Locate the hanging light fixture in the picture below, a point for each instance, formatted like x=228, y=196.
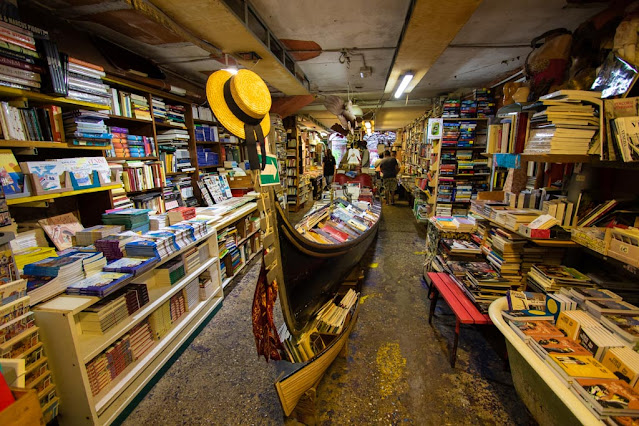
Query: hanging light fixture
x=232, y=69
x=406, y=79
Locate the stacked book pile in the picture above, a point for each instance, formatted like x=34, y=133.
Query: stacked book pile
x=181, y=213
x=481, y=283
x=463, y=191
x=131, y=265
x=331, y=318
x=132, y=219
x=563, y=127
x=104, y=368
x=113, y=246
x=467, y=134
x=175, y=115
x=160, y=321
x=159, y=110
x=164, y=244
x=18, y=58
x=504, y=250
x=535, y=255
x=468, y=109
x=141, y=339
x=149, y=201
x=592, y=356
x=142, y=176
x=24, y=256
x=459, y=247
x=119, y=141
x=140, y=107
x=551, y=278
x=170, y=272
x=88, y=236
x=485, y=102
x=159, y=221
x=178, y=306
x=206, y=133
x=51, y=276
x=92, y=261
x=450, y=134
x=136, y=295
x=451, y=108
x=103, y=315
x=174, y=136
x=101, y=284
x=83, y=127
x=85, y=82
x=140, y=146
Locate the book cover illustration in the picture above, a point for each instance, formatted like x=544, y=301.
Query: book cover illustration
x=609, y=396
x=628, y=324
x=561, y=273
x=11, y=176
x=61, y=229
x=561, y=345
x=582, y=366
x=537, y=329
x=47, y=172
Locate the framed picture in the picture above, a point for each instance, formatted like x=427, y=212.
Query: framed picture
x=435, y=126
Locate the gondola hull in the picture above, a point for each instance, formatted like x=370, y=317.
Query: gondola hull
x=312, y=272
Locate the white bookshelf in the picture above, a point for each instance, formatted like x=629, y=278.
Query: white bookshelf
x=69, y=350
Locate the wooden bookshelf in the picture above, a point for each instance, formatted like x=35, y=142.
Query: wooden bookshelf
x=169, y=126
x=210, y=167
x=144, y=191
x=200, y=121
x=552, y=158
x=49, y=144
x=206, y=143
x=131, y=158
x=123, y=118
x=9, y=92
x=45, y=197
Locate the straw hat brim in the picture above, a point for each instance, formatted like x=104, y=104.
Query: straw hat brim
x=215, y=96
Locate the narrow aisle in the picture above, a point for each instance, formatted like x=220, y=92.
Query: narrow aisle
x=396, y=371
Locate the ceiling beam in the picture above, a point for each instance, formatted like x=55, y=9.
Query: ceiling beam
x=214, y=22
x=424, y=38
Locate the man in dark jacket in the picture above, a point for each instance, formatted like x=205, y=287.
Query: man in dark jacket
x=389, y=167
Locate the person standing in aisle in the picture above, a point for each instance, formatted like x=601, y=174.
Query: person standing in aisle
x=378, y=173
x=329, y=167
x=389, y=168
x=354, y=158
x=366, y=159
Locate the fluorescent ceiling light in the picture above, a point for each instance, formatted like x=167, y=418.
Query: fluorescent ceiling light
x=404, y=83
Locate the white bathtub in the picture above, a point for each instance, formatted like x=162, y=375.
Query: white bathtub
x=547, y=398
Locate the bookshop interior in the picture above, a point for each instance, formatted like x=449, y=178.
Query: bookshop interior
x=319, y=212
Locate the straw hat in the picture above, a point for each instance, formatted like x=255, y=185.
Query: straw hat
x=246, y=101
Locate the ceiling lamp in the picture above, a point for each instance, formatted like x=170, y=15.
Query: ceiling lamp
x=367, y=124
x=403, y=84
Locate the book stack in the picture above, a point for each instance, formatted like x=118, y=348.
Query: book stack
x=485, y=102
x=136, y=295
x=159, y=109
x=101, y=284
x=450, y=134
x=92, y=261
x=184, y=185
x=451, y=108
x=142, y=176
x=160, y=321
x=18, y=57
x=119, y=140
x=192, y=291
x=113, y=246
x=159, y=221
x=149, y=201
x=131, y=265
x=164, y=241
x=104, y=368
x=175, y=115
x=331, y=318
x=86, y=128
x=88, y=236
x=132, y=219
x=103, y=315
x=467, y=134
x=192, y=260
x=85, y=82
x=184, y=233
x=36, y=124
x=141, y=339
x=468, y=109
x=181, y=213
x=170, y=272
x=51, y=276
x=550, y=278
x=178, y=306
x=486, y=286
x=533, y=254
x=503, y=250
x=202, y=113
x=140, y=146
x=140, y=107
x=28, y=255
x=174, y=136
x=206, y=133
x=562, y=127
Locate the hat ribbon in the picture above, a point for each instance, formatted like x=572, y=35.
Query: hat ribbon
x=252, y=129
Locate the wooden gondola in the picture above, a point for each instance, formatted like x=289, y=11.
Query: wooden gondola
x=311, y=274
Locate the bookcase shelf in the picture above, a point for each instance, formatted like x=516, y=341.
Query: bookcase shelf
x=90, y=346
x=228, y=280
x=552, y=158
x=130, y=158
x=15, y=201
x=10, y=92
x=206, y=143
x=210, y=167
x=47, y=144
x=128, y=120
x=210, y=123
x=169, y=126
x=611, y=260
x=143, y=191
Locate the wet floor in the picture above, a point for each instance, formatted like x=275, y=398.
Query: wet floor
x=396, y=371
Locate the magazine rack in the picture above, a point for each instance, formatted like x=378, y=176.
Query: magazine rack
x=68, y=182
x=96, y=178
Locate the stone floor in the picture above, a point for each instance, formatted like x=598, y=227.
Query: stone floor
x=397, y=370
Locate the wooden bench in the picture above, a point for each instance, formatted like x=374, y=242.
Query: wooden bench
x=464, y=309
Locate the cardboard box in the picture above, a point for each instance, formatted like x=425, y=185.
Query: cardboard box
x=240, y=182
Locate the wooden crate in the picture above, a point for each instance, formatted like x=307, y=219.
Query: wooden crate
x=25, y=411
